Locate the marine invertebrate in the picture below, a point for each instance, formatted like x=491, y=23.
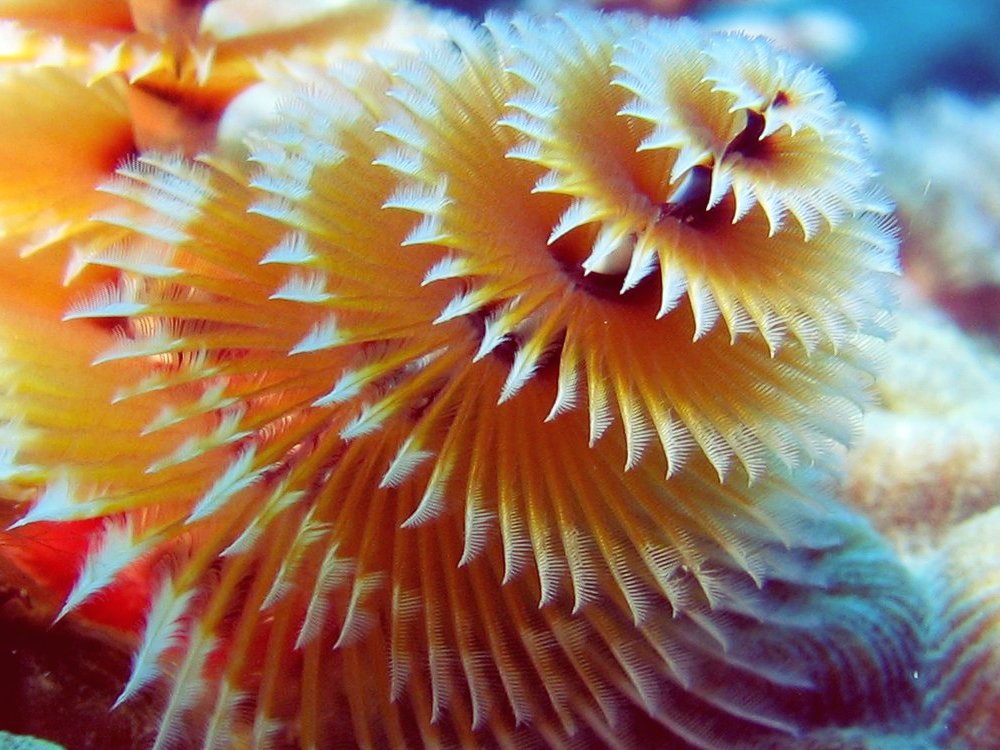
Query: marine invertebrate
x=13, y=742
x=93, y=83
x=198, y=55
x=48, y=204
x=965, y=654
x=360, y=403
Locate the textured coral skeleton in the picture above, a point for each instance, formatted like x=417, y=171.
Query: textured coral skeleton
x=486, y=403
x=926, y=458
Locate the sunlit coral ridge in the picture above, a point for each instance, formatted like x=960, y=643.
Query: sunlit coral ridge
x=926, y=458
x=476, y=408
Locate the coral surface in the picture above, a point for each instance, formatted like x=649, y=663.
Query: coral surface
x=941, y=157
x=927, y=457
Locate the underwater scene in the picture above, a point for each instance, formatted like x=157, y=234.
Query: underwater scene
x=542, y=374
